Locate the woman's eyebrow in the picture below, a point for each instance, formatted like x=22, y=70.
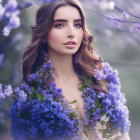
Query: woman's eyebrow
x=64, y=20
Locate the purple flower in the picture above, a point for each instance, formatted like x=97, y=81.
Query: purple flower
x=135, y=28
x=110, y=74
x=6, y=30
x=10, y=15
x=59, y=92
x=11, y=5
x=106, y=102
x=1, y=93
x=43, y=118
x=114, y=21
x=46, y=66
x=14, y=21
x=40, y=110
x=99, y=75
x=21, y=95
x=6, y=91
x=101, y=95
x=125, y=15
x=24, y=86
x=33, y=77
x=107, y=74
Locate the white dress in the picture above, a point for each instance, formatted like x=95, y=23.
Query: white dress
x=88, y=134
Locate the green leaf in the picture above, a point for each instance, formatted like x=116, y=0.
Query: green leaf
x=81, y=86
x=41, y=74
x=72, y=115
x=106, y=133
x=96, y=102
x=32, y=96
x=32, y=89
x=62, y=103
x=55, y=100
x=86, y=95
x=102, y=122
x=100, y=105
x=40, y=97
x=103, y=113
x=74, y=101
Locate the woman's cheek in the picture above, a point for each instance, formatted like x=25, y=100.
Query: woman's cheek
x=80, y=36
x=54, y=36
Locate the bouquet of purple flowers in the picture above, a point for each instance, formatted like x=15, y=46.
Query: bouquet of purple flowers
x=39, y=111
x=106, y=113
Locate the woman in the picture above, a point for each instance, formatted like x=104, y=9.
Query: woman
x=61, y=36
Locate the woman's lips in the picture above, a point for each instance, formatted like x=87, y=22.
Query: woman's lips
x=71, y=42
x=70, y=46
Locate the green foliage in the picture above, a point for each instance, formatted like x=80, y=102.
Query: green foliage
x=86, y=81
x=72, y=102
x=40, y=97
x=32, y=96
x=72, y=115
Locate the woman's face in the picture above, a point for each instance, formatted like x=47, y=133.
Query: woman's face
x=66, y=34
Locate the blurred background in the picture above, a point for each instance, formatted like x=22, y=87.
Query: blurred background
x=115, y=26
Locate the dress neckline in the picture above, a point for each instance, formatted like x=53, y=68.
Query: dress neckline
x=79, y=117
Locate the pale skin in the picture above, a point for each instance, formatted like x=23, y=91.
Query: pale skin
x=67, y=27
x=70, y=29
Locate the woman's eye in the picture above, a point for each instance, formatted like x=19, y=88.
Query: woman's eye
x=78, y=25
x=58, y=25
x=62, y=25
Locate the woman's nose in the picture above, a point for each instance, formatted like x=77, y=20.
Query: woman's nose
x=71, y=36
x=71, y=32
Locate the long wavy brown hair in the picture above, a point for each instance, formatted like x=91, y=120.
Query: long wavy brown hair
x=85, y=60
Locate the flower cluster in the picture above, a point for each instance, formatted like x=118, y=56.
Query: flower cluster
x=106, y=112
x=5, y=91
x=114, y=21
x=135, y=28
x=39, y=111
x=9, y=14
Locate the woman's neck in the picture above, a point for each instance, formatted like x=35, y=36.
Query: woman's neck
x=63, y=66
